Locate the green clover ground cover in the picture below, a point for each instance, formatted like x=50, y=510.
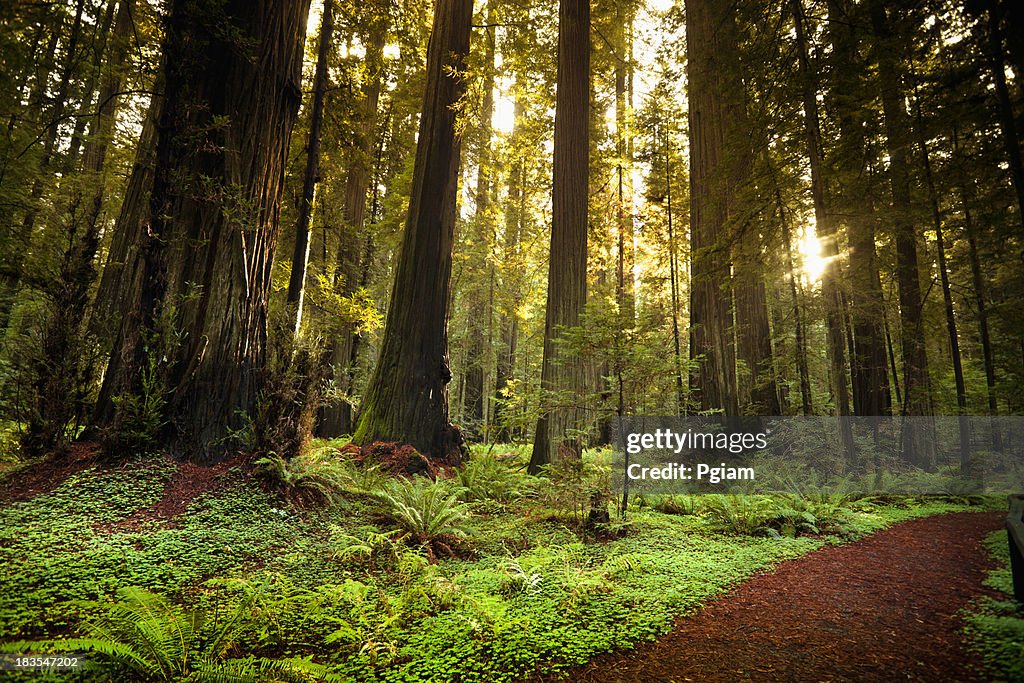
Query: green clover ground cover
x=345, y=586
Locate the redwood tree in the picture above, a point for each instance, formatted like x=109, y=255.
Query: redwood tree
x=562, y=376
x=193, y=348
x=407, y=396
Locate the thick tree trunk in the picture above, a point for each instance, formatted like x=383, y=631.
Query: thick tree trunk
x=562, y=373
x=300, y=254
x=407, y=396
x=713, y=80
x=231, y=98
x=918, y=446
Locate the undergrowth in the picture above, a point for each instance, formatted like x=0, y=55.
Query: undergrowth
x=995, y=627
x=488, y=575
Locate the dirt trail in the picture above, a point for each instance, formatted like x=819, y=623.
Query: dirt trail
x=883, y=609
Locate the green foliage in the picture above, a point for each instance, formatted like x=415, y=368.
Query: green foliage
x=485, y=477
x=573, y=487
x=145, y=636
x=430, y=512
x=994, y=627
x=738, y=514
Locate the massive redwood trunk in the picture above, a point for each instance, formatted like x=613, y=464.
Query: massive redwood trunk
x=407, y=396
x=199, y=322
x=562, y=373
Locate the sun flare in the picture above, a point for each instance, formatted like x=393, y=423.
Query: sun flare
x=811, y=258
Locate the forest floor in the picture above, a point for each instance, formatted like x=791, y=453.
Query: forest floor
x=866, y=591
x=886, y=608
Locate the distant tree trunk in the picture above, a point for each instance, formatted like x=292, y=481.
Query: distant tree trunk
x=479, y=312
x=407, y=397
x=673, y=260
x=89, y=90
x=232, y=93
x=62, y=366
x=806, y=398
x=947, y=295
x=300, y=254
x=354, y=249
x=870, y=380
x=11, y=274
x=710, y=40
x=980, y=293
x=1007, y=120
x=562, y=373
x=918, y=447
x=508, y=322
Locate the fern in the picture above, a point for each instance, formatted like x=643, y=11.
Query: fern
x=428, y=511
x=144, y=636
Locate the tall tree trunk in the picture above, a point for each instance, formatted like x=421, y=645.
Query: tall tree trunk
x=479, y=312
x=710, y=41
x=407, y=397
x=562, y=373
x=508, y=322
x=918, y=446
x=673, y=260
x=947, y=294
x=300, y=254
x=980, y=293
x=870, y=379
x=795, y=293
x=232, y=93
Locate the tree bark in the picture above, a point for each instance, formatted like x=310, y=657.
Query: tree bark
x=300, y=254
x=232, y=93
x=562, y=373
x=407, y=396
x=710, y=41
x=479, y=312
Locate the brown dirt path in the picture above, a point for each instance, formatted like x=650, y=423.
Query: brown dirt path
x=882, y=609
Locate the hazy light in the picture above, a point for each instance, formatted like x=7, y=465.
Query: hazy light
x=814, y=263
x=504, y=118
